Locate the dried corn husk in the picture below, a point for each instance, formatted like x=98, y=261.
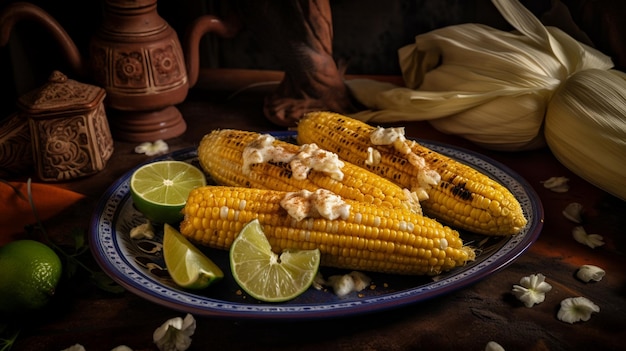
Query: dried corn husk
x=487, y=85
x=585, y=128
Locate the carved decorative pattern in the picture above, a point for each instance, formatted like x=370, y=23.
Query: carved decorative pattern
x=69, y=128
x=73, y=146
x=58, y=93
x=167, y=69
x=16, y=152
x=64, y=148
x=129, y=70
x=145, y=71
x=102, y=134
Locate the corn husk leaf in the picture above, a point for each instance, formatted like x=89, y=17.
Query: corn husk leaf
x=487, y=85
x=585, y=128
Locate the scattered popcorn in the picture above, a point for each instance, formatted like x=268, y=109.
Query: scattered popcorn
x=152, y=149
x=589, y=273
x=573, y=212
x=142, y=231
x=343, y=285
x=575, y=309
x=175, y=334
x=361, y=281
x=557, y=184
x=532, y=289
x=591, y=240
x=493, y=346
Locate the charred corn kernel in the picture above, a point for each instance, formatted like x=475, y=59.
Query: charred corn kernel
x=369, y=238
x=249, y=159
x=463, y=197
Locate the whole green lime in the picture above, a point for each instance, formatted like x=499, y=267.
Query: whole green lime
x=30, y=271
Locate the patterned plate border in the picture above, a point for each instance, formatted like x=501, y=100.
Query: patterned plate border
x=119, y=257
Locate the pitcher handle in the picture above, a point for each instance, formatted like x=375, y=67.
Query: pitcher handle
x=198, y=28
x=19, y=11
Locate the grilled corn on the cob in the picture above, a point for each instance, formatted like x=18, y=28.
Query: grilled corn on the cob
x=248, y=159
x=451, y=191
x=365, y=237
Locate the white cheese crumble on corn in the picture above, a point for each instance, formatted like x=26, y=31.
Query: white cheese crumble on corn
x=309, y=157
x=320, y=203
x=426, y=179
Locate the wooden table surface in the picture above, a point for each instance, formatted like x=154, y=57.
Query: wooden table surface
x=465, y=319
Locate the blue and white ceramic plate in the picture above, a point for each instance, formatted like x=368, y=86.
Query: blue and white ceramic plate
x=139, y=267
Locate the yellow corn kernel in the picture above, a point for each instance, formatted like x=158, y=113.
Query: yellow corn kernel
x=221, y=156
x=495, y=210
x=371, y=238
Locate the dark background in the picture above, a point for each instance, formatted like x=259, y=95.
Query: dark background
x=367, y=34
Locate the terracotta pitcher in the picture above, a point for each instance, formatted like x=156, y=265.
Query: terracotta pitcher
x=137, y=58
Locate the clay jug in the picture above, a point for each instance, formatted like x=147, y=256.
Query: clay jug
x=137, y=58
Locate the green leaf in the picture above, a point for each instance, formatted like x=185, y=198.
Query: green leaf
x=71, y=267
x=105, y=283
x=79, y=239
x=8, y=336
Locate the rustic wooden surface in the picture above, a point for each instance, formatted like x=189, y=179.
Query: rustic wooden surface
x=462, y=320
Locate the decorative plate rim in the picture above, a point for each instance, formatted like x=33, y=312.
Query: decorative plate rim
x=108, y=252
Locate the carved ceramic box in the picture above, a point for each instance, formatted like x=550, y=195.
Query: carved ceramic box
x=69, y=128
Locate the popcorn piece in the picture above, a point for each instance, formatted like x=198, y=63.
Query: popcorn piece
x=573, y=212
x=152, y=149
x=361, y=281
x=493, y=346
x=575, y=309
x=345, y=284
x=592, y=240
x=557, y=184
x=75, y=347
x=175, y=334
x=342, y=284
x=589, y=273
x=142, y=231
x=532, y=289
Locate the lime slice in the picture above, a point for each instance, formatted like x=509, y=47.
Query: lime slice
x=187, y=265
x=160, y=189
x=265, y=275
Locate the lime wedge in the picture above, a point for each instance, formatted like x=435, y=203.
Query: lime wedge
x=160, y=189
x=187, y=265
x=263, y=274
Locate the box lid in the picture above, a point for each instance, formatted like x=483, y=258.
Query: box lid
x=61, y=94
